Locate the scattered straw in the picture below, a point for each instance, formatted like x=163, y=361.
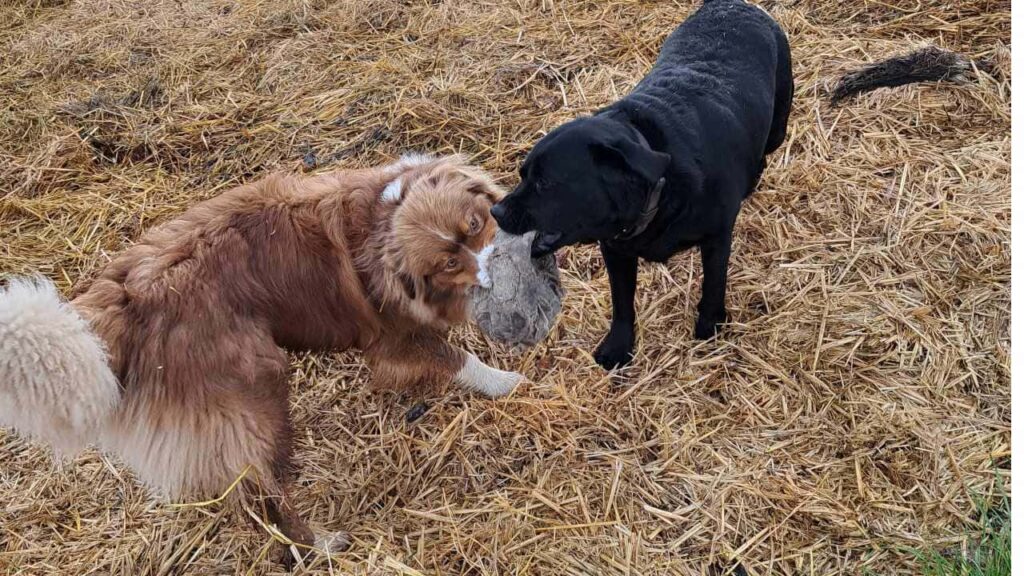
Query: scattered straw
x=856, y=403
x=218, y=499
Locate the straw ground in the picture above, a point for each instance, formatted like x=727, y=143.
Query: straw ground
x=853, y=410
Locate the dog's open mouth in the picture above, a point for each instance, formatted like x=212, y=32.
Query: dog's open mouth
x=545, y=243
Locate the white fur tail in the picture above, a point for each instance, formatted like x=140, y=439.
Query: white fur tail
x=55, y=383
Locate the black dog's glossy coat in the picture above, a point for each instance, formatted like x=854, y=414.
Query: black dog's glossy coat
x=715, y=103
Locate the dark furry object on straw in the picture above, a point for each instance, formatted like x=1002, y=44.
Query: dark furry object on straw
x=931, y=64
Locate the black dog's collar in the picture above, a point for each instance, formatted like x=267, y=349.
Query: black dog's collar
x=647, y=216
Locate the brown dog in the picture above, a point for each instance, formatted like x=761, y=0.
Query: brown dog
x=174, y=358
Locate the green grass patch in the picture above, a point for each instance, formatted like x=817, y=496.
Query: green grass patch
x=986, y=555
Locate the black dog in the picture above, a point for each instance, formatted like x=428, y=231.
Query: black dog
x=667, y=167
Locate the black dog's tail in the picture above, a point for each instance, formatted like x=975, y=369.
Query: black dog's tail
x=929, y=64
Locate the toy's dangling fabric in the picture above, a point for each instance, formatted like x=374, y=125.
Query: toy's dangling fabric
x=525, y=296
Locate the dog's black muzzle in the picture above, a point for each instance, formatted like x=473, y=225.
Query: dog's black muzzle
x=545, y=243
x=510, y=219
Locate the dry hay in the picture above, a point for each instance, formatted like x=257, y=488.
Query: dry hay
x=856, y=404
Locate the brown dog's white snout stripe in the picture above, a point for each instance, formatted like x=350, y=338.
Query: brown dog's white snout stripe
x=483, y=263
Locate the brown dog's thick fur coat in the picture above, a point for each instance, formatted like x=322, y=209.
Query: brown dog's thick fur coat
x=195, y=320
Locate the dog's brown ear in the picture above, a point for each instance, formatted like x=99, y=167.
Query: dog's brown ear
x=490, y=190
x=480, y=182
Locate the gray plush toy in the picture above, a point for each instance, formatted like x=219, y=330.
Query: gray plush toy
x=525, y=295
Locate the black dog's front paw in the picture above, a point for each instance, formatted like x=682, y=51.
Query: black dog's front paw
x=708, y=325
x=615, y=351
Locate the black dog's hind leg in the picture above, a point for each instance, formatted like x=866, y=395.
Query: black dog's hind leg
x=617, y=347
x=714, y=255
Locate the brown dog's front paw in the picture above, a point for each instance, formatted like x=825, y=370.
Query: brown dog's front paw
x=292, y=556
x=333, y=543
x=477, y=376
x=329, y=543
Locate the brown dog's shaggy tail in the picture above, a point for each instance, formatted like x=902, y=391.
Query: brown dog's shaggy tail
x=55, y=383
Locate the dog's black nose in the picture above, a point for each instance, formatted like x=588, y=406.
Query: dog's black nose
x=498, y=211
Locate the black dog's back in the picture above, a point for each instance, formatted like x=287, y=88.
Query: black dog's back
x=724, y=79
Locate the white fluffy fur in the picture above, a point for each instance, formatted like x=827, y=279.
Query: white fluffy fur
x=393, y=191
x=477, y=376
x=171, y=453
x=55, y=384
x=483, y=264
